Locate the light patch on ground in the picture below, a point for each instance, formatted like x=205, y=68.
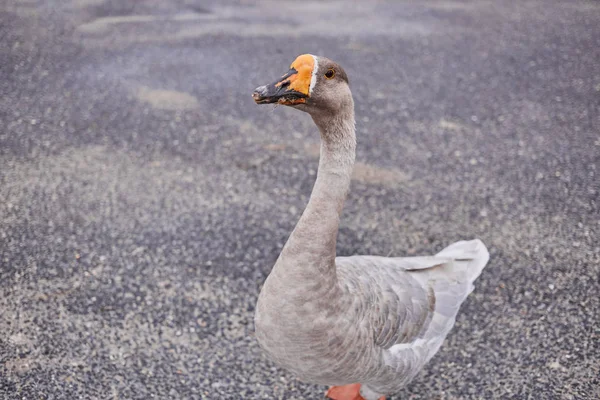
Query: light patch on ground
x=166, y=99
x=456, y=5
x=101, y=24
x=32, y=361
x=371, y=174
x=104, y=23
x=87, y=3
x=450, y=125
x=19, y=339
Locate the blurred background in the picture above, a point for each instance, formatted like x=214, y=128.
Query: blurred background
x=144, y=197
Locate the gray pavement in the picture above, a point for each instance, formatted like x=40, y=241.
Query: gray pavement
x=144, y=197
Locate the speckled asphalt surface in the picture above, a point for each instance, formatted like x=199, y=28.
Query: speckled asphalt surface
x=144, y=197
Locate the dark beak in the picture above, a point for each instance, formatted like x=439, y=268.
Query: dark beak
x=279, y=92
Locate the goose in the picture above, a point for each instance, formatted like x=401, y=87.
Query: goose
x=363, y=325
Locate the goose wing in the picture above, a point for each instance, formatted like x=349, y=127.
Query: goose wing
x=408, y=305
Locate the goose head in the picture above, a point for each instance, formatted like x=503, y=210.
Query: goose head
x=313, y=84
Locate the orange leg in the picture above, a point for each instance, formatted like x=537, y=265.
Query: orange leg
x=346, y=392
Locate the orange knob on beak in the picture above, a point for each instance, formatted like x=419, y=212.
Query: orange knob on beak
x=292, y=88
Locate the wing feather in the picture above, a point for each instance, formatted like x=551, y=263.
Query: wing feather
x=410, y=304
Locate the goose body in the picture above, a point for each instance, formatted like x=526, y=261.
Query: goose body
x=364, y=324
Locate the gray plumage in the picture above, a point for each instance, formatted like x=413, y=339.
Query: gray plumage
x=360, y=319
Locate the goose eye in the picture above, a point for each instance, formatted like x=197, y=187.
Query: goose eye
x=330, y=73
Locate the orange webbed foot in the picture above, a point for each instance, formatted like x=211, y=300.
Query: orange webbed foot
x=346, y=392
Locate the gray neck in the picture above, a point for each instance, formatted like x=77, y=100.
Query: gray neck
x=310, y=251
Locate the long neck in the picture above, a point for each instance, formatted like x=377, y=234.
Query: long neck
x=310, y=250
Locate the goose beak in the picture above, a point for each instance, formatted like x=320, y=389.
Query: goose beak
x=294, y=87
x=281, y=91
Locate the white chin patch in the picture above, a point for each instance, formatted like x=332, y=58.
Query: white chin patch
x=313, y=77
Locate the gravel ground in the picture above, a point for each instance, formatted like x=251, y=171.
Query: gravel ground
x=144, y=197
